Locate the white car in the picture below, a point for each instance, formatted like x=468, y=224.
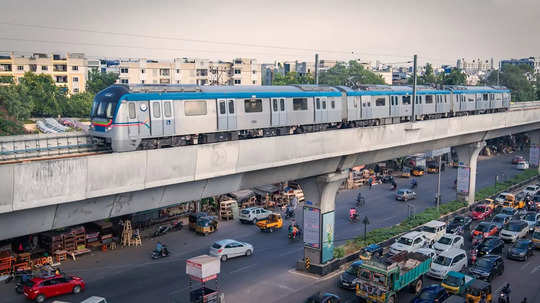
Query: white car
x=531, y=218
x=226, y=249
x=514, y=230
x=408, y=242
x=522, y=165
x=253, y=214
x=434, y=230
x=454, y=259
x=428, y=252
x=531, y=190
x=448, y=241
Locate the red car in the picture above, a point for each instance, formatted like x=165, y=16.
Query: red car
x=517, y=159
x=481, y=212
x=39, y=289
x=486, y=229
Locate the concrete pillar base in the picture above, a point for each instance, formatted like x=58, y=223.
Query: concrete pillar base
x=468, y=156
x=534, y=138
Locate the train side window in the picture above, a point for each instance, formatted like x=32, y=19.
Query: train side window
x=198, y=108
x=406, y=100
x=300, y=104
x=369, y=104
x=221, y=108
x=167, y=112
x=318, y=103
x=253, y=105
x=274, y=105
x=485, y=97
x=131, y=108
x=380, y=102
x=324, y=104
x=156, y=110
x=429, y=99
x=282, y=104
x=333, y=104
x=231, y=106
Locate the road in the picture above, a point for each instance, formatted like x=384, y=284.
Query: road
x=129, y=275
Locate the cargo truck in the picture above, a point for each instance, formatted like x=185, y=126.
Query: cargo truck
x=380, y=279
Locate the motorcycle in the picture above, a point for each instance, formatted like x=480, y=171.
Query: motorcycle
x=298, y=234
x=158, y=255
x=476, y=240
x=289, y=213
x=353, y=218
x=504, y=298
x=474, y=254
x=163, y=229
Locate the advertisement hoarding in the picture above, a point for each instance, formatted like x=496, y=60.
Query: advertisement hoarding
x=534, y=155
x=311, y=227
x=328, y=236
x=463, y=179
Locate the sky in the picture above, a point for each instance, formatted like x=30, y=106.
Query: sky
x=392, y=31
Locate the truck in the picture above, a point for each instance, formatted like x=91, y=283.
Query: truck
x=381, y=279
x=456, y=282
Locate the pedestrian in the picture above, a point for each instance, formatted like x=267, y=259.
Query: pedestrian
x=370, y=181
x=524, y=300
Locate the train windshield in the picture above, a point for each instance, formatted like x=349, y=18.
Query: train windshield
x=103, y=107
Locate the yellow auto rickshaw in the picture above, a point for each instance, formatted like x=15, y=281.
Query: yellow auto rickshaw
x=406, y=172
x=418, y=171
x=206, y=225
x=476, y=290
x=193, y=217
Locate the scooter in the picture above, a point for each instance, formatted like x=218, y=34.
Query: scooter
x=157, y=255
x=289, y=213
x=353, y=218
x=163, y=229
x=297, y=236
x=503, y=298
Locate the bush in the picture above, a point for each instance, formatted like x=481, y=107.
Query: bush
x=339, y=252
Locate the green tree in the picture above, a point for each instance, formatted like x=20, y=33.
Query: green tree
x=98, y=81
x=292, y=78
x=428, y=77
x=15, y=103
x=41, y=91
x=516, y=78
x=352, y=74
x=78, y=105
x=455, y=77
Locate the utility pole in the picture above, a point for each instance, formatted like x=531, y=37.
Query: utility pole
x=498, y=72
x=413, y=117
x=439, y=185
x=316, y=69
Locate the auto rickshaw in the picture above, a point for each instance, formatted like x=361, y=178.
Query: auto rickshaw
x=273, y=222
x=406, y=172
x=433, y=168
x=373, y=249
x=206, y=225
x=193, y=217
x=418, y=171
x=476, y=290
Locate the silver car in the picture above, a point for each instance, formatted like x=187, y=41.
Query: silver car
x=405, y=194
x=514, y=230
x=228, y=248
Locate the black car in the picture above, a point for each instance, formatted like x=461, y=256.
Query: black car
x=521, y=250
x=487, y=267
x=346, y=279
x=323, y=298
x=491, y=246
x=501, y=220
x=387, y=179
x=458, y=225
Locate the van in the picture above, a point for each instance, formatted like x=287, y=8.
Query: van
x=433, y=231
x=454, y=259
x=514, y=230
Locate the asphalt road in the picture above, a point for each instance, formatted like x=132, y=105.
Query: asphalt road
x=129, y=274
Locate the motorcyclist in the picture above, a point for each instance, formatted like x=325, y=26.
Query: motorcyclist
x=352, y=213
x=506, y=289
x=414, y=183
x=293, y=230
x=289, y=211
x=159, y=247
x=394, y=184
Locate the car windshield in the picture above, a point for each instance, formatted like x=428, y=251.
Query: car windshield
x=530, y=188
x=459, y=220
x=352, y=270
x=427, y=295
x=445, y=240
x=502, y=197
x=483, y=263
x=405, y=241
x=442, y=260
x=517, y=226
x=508, y=211
x=400, y=192
x=245, y=212
x=452, y=281
x=536, y=199
x=521, y=245
x=530, y=217
x=479, y=209
x=216, y=245
x=499, y=219
x=482, y=228
x=429, y=229
x=536, y=235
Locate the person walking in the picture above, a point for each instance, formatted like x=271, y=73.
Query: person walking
x=370, y=181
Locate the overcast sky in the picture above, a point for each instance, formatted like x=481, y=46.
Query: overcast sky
x=439, y=31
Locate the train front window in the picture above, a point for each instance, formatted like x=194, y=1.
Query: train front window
x=104, y=109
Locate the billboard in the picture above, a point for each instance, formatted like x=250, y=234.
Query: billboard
x=312, y=218
x=534, y=155
x=328, y=236
x=463, y=175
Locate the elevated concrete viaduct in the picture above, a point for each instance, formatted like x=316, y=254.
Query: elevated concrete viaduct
x=44, y=195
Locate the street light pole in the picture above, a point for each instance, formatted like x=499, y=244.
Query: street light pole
x=413, y=117
x=439, y=185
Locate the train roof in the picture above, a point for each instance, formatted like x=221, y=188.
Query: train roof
x=461, y=89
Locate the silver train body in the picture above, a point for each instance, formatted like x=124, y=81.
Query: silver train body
x=137, y=117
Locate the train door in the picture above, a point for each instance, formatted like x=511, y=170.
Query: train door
x=279, y=115
x=418, y=108
x=143, y=118
x=156, y=119
x=133, y=128
x=357, y=104
x=168, y=118
x=324, y=109
x=231, y=114
x=226, y=114
x=394, y=106
x=367, y=111
x=318, y=110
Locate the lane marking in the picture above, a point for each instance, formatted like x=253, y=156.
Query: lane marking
x=285, y=287
x=537, y=268
x=290, y=252
x=241, y=269
x=525, y=265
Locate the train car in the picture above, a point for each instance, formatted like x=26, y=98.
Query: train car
x=478, y=99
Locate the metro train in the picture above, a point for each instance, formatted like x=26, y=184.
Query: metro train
x=136, y=117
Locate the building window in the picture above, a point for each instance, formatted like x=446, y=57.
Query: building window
x=300, y=104
x=142, y=71
x=156, y=110
x=74, y=67
x=124, y=81
x=165, y=72
x=380, y=102
x=142, y=81
x=253, y=105
x=124, y=70
x=44, y=67
x=237, y=71
x=75, y=90
x=237, y=81
x=75, y=79
x=131, y=109
x=254, y=72
x=198, y=108
x=429, y=99
x=177, y=71
x=254, y=81
x=20, y=67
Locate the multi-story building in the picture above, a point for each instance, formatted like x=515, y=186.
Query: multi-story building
x=533, y=62
x=474, y=66
x=68, y=71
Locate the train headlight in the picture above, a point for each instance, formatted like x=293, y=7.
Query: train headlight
x=108, y=128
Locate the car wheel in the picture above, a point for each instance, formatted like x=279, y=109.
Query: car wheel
x=76, y=289
x=526, y=258
x=271, y=229
x=40, y=298
x=224, y=258
x=254, y=221
x=248, y=252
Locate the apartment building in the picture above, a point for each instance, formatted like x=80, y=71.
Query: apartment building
x=68, y=71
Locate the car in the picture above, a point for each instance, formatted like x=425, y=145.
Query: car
x=521, y=250
x=486, y=229
x=454, y=259
x=408, y=242
x=253, y=214
x=536, y=200
x=458, y=225
x=324, y=298
x=448, y=241
x=228, y=248
x=522, y=165
x=531, y=190
x=536, y=237
x=487, y=267
x=433, y=231
x=517, y=159
x=481, y=212
x=428, y=252
x=500, y=220
x=39, y=289
x=418, y=171
x=431, y=294
x=405, y=194
x=509, y=211
x=504, y=197
x=491, y=246
x=514, y=230
x=531, y=218
x=347, y=278
x=387, y=179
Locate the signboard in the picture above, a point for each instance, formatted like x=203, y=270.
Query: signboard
x=312, y=218
x=534, y=155
x=463, y=175
x=328, y=236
